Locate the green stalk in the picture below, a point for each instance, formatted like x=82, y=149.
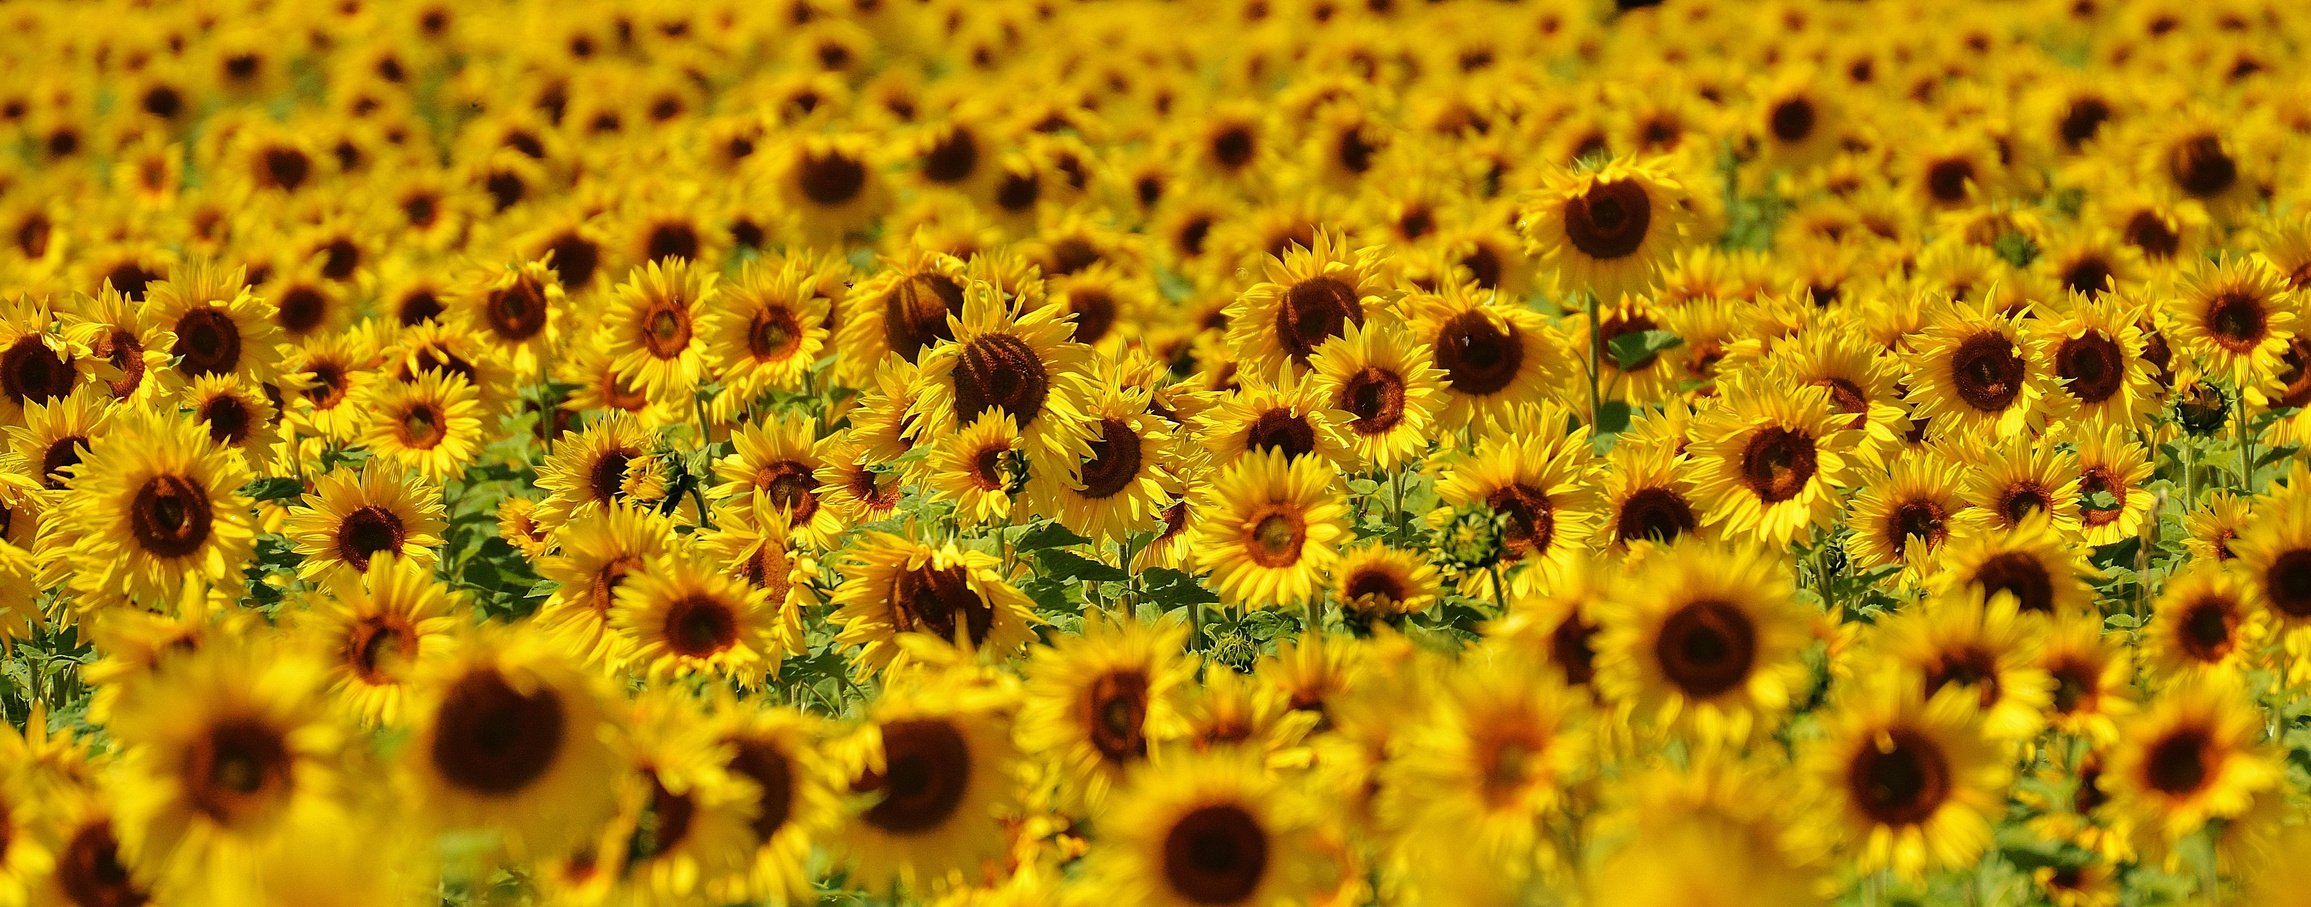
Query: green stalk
x=2246, y=447
x=1596, y=361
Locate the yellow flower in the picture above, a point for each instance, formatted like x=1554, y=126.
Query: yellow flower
x=1913, y=780
x=1705, y=641
x=1267, y=526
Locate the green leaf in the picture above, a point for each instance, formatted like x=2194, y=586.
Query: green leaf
x=1173, y=589
x=2100, y=499
x=1048, y=535
x=2121, y=622
x=1613, y=417
x=1363, y=486
x=1638, y=348
x=275, y=488
x=1069, y=565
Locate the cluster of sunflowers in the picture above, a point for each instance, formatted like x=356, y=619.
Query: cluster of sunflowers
x=1226, y=452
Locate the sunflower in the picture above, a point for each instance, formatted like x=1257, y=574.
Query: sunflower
x=126, y=346
x=221, y=328
x=1607, y=231
x=1486, y=768
x=1974, y=367
x=324, y=379
x=517, y=309
x=2193, y=756
x=930, y=772
x=797, y=806
x=1101, y=704
x=590, y=469
x=1268, y=526
x=53, y=438
x=510, y=736
x=652, y=328
x=350, y=518
x=1648, y=498
x=833, y=182
x=1714, y=832
x=678, y=616
x=1207, y=830
x=774, y=467
x=38, y=363
x=853, y=484
x=430, y=426
x=2274, y=555
x=1312, y=292
x=893, y=586
x=88, y=862
x=156, y=507
x=1914, y=779
x=1387, y=384
x=378, y=633
x=1373, y=582
x=2237, y=315
x=228, y=757
x=1771, y=462
x=2113, y=472
x=1705, y=641
x=1978, y=643
x=1860, y=378
x=684, y=823
x=1904, y=518
x=2210, y=530
x=1021, y=364
x=1124, y=472
x=1289, y=415
x=980, y=468
x=2204, y=622
x=902, y=308
x=2021, y=479
x=2093, y=679
x=2030, y=562
x=764, y=331
x=2099, y=355
x=238, y=418
x=596, y=553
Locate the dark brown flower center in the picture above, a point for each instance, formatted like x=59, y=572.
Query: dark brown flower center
x=1114, y=715
x=2182, y=762
x=1610, y=220
x=1572, y=648
x=665, y=327
x=495, y=740
x=1279, y=428
x=938, y=600
x=1654, y=514
x=31, y=372
x=1000, y=370
x=1921, y=519
x=2201, y=167
x=1900, y=778
x=1950, y=181
x=518, y=312
x=1375, y=588
x=1479, y=357
x=671, y=240
x=2287, y=582
x=63, y=454
x=1277, y=535
x=1114, y=462
x=1532, y=519
x=1792, y=120
x=90, y=873
x=927, y=773
x=368, y=532
x=208, y=342
x=2237, y=322
x=2023, y=498
x=1987, y=372
x=229, y=419
x=831, y=179
x=1315, y=310
x=1777, y=463
x=1706, y=648
x=2208, y=628
x=790, y=486
x=773, y=334
x=2082, y=119
x=2089, y=275
x=1216, y=854
x=915, y=312
x=170, y=517
x=2150, y=232
x=375, y=646
x=238, y=768
x=766, y=764
x=1970, y=666
x=2092, y=366
x=2018, y=574
x=422, y=426
x=953, y=158
x=700, y=626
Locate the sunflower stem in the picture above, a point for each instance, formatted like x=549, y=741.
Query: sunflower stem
x=698, y=483
x=2246, y=446
x=1403, y=526
x=1316, y=619
x=1195, y=626
x=1500, y=590
x=1596, y=359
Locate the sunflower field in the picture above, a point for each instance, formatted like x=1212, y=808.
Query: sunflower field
x=1155, y=453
